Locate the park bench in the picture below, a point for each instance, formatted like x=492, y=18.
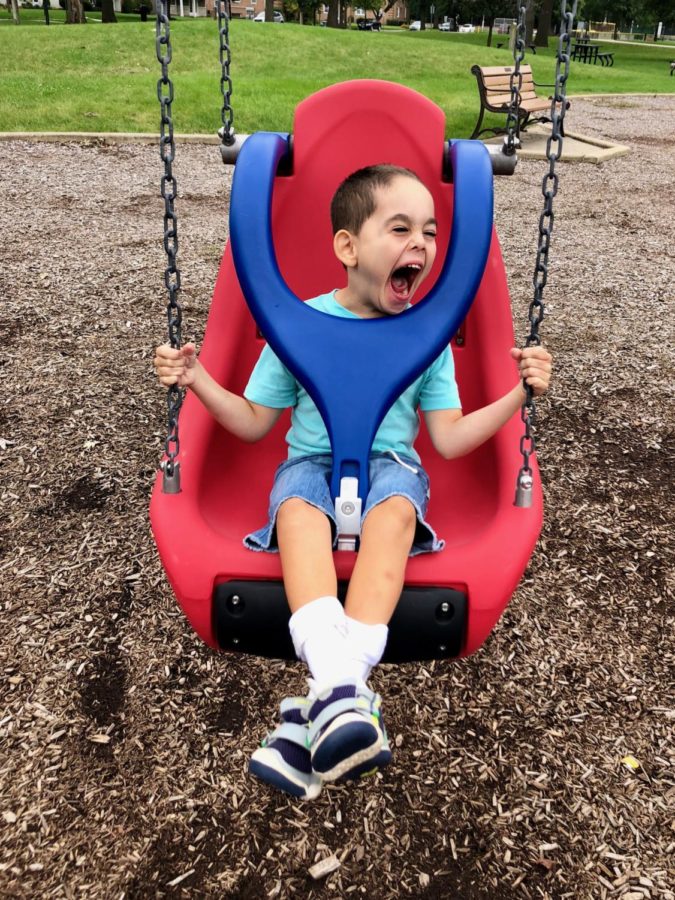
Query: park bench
x=494, y=87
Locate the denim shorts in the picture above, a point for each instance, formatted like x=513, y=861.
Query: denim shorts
x=308, y=477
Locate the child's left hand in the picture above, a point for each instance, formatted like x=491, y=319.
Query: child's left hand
x=535, y=365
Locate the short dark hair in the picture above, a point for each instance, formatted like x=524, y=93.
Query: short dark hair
x=354, y=200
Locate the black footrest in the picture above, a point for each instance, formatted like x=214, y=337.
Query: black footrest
x=252, y=617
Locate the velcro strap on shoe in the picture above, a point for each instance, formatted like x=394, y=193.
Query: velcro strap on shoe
x=328, y=713
x=290, y=731
x=291, y=704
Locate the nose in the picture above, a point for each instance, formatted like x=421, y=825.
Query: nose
x=416, y=238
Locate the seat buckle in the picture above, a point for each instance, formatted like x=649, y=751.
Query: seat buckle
x=348, y=514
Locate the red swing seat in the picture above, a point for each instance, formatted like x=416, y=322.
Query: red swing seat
x=226, y=483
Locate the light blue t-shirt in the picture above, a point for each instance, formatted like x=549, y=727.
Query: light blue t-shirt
x=271, y=384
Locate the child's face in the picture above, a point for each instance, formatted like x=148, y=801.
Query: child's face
x=394, y=250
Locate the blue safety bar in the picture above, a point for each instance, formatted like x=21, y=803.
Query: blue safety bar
x=355, y=370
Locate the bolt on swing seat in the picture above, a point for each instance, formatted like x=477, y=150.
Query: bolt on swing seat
x=281, y=250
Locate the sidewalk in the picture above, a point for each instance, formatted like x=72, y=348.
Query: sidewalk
x=576, y=147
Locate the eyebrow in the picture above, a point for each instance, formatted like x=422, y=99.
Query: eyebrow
x=405, y=218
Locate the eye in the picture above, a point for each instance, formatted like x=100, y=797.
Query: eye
x=430, y=234
x=400, y=229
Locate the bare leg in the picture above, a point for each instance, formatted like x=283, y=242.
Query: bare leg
x=377, y=579
x=305, y=546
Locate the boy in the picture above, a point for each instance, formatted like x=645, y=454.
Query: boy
x=385, y=237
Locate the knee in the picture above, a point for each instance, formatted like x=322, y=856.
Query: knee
x=399, y=515
x=294, y=511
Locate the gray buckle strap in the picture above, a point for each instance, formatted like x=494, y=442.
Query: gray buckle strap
x=348, y=514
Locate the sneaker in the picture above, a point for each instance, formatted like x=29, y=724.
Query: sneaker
x=344, y=729
x=283, y=759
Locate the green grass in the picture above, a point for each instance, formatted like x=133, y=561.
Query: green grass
x=30, y=16
x=103, y=78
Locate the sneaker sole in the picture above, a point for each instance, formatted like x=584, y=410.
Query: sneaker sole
x=382, y=759
x=348, y=742
x=265, y=766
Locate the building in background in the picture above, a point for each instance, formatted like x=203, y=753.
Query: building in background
x=248, y=9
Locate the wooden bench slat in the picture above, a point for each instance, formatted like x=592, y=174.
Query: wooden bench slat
x=505, y=77
x=536, y=105
x=532, y=104
x=505, y=85
x=500, y=97
x=486, y=71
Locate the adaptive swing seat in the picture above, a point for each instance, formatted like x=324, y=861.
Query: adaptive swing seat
x=281, y=242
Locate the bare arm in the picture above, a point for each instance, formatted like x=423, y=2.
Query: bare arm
x=453, y=434
x=246, y=420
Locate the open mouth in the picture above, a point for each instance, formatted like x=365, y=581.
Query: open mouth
x=403, y=279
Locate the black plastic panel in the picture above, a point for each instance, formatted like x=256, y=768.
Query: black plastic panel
x=252, y=617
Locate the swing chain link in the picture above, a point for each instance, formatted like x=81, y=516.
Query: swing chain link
x=169, y=191
x=226, y=133
x=512, y=139
x=528, y=412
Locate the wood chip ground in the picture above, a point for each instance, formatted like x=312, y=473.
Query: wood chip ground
x=124, y=741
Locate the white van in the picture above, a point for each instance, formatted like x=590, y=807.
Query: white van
x=277, y=17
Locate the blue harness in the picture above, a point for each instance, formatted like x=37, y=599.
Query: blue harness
x=355, y=370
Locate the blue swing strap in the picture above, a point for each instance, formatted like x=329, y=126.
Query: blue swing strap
x=355, y=370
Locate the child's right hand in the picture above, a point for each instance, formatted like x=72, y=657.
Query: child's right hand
x=176, y=366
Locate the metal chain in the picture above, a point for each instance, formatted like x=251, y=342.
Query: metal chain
x=169, y=190
x=226, y=133
x=549, y=189
x=512, y=142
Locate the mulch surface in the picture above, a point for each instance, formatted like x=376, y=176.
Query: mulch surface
x=124, y=741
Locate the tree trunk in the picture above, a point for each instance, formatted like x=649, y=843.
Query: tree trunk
x=544, y=26
x=15, y=11
x=269, y=10
x=332, y=20
x=108, y=11
x=529, y=22
x=74, y=13
x=489, y=40
x=424, y=12
x=45, y=8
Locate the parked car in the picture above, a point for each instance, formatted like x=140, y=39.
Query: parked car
x=466, y=28
x=368, y=25
x=415, y=26
x=277, y=17
x=445, y=26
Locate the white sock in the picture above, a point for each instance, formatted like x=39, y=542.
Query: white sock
x=319, y=634
x=366, y=646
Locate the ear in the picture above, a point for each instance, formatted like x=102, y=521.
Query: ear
x=344, y=247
